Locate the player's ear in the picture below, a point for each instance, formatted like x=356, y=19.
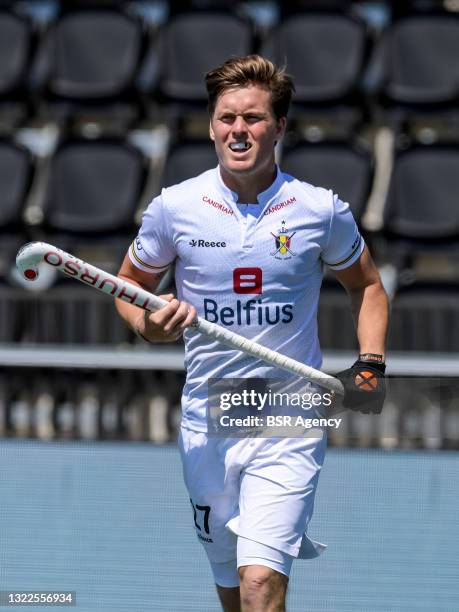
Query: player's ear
x=280, y=129
x=211, y=130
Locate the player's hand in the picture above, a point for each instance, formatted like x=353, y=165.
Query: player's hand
x=364, y=387
x=168, y=323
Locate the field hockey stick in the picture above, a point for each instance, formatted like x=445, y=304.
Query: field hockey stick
x=33, y=253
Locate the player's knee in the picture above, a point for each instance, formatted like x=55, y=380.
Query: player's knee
x=259, y=579
x=259, y=574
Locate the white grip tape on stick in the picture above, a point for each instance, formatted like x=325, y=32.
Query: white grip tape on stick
x=33, y=253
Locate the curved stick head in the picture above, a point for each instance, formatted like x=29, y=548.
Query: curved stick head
x=27, y=261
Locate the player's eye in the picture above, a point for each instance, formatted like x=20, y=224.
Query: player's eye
x=227, y=118
x=252, y=118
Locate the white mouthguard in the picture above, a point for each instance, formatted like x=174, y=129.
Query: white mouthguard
x=239, y=146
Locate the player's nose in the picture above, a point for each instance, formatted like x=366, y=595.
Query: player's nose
x=239, y=125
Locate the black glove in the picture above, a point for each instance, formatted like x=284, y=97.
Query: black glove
x=364, y=386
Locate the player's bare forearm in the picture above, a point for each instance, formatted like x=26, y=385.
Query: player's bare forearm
x=132, y=315
x=370, y=310
x=369, y=303
x=164, y=325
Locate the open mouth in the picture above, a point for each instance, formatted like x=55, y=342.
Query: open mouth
x=240, y=146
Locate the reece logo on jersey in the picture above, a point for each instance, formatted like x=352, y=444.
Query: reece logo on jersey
x=247, y=281
x=206, y=243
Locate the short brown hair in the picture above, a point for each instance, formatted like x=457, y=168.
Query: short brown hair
x=251, y=70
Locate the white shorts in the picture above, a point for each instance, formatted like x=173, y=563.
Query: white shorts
x=250, y=553
x=261, y=489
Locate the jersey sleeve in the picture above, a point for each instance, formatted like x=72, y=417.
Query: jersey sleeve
x=345, y=243
x=153, y=248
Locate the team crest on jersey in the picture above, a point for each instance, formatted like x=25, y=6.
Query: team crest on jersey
x=283, y=242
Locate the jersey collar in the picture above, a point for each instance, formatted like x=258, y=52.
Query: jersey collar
x=263, y=198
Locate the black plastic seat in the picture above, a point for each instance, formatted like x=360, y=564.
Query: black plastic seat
x=15, y=50
x=421, y=215
x=94, y=187
x=417, y=61
x=422, y=201
x=324, y=52
x=425, y=317
x=412, y=7
x=188, y=159
x=192, y=44
x=340, y=167
x=297, y=6
x=15, y=175
x=91, y=58
x=183, y=6
x=336, y=329
x=15, y=178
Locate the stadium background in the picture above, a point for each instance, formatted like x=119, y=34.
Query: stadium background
x=101, y=104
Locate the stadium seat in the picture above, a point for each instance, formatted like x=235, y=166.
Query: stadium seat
x=420, y=216
x=336, y=328
x=325, y=53
x=297, y=6
x=91, y=198
x=182, y=6
x=346, y=170
x=422, y=199
x=188, y=159
x=94, y=186
x=15, y=177
x=411, y=7
x=416, y=61
x=90, y=59
x=15, y=50
x=425, y=317
x=193, y=43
